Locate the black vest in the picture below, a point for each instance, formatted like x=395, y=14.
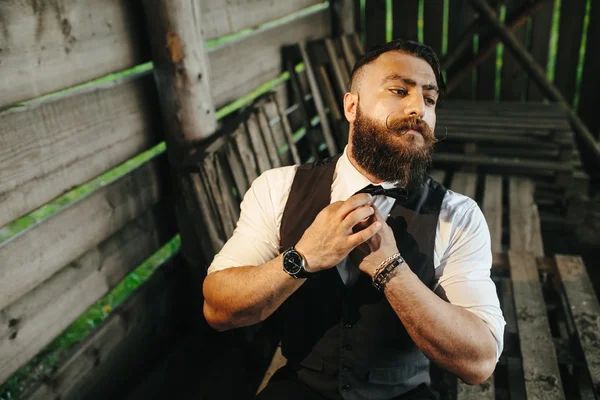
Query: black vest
x=347, y=342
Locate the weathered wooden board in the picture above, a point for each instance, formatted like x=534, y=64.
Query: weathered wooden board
x=584, y=309
x=464, y=183
x=405, y=16
x=492, y=210
x=48, y=148
x=524, y=219
x=572, y=14
x=124, y=346
x=590, y=80
x=533, y=167
x=538, y=45
x=220, y=18
x=513, y=85
x=433, y=24
x=375, y=16
x=460, y=17
x=542, y=377
x=31, y=322
x=483, y=391
x=238, y=67
x=438, y=175
x=48, y=46
x=37, y=254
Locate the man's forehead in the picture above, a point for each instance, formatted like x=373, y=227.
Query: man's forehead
x=396, y=63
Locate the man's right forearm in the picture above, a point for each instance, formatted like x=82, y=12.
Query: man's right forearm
x=242, y=296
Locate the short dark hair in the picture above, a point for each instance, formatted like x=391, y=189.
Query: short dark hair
x=409, y=47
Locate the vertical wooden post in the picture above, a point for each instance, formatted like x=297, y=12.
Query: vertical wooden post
x=344, y=11
x=182, y=76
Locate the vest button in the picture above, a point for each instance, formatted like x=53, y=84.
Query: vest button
x=346, y=347
x=346, y=388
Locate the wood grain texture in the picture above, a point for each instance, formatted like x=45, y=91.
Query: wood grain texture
x=37, y=254
x=572, y=13
x=181, y=70
x=433, y=23
x=483, y=391
x=513, y=86
x=31, y=322
x=220, y=18
x=120, y=351
x=542, y=377
x=584, y=309
x=48, y=46
x=238, y=67
x=538, y=46
x=47, y=148
x=590, y=80
x=524, y=218
x=375, y=15
x=492, y=210
x=438, y=175
x=464, y=183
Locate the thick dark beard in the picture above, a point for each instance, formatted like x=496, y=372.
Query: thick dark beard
x=376, y=150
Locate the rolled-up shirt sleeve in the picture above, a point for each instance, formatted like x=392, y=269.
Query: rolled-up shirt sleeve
x=464, y=271
x=255, y=239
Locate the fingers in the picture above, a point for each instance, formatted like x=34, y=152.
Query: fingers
x=366, y=234
x=353, y=203
x=358, y=215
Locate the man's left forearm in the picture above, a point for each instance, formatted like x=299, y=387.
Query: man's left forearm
x=449, y=335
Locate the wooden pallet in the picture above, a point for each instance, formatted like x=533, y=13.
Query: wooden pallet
x=552, y=335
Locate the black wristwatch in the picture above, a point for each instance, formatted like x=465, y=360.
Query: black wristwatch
x=294, y=264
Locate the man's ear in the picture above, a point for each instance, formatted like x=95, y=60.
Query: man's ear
x=350, y=105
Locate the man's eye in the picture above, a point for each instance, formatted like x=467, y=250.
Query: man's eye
x=400, y=92
x=430, y=101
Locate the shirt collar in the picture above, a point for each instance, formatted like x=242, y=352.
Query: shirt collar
x=352, y=178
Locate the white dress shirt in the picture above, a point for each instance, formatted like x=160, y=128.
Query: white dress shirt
x=462, y=252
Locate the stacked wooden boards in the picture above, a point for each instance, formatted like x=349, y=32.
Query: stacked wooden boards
x=551, y=311
x=56, y=269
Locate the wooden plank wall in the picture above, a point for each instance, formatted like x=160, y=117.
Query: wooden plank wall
x=55, y=270
x=534, y=35
x=47, y=47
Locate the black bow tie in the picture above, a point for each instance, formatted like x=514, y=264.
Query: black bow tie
x=375, y=190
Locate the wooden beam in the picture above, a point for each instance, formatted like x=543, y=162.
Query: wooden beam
x=118, y=353
x=583, y=309
x=464, y=183
x=524, y=219
x=515, y=22
x=534, y=167
x=319, y=104
x=181, y=70
x=38, y=253
x=542, y=376
x=492, y=210
x=50, y=147
x=538, y=76
x=41, y=314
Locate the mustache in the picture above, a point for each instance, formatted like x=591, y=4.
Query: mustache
x=403, y=125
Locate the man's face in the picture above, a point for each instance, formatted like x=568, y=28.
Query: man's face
x=391, y=111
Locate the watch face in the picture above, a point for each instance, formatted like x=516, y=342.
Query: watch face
x=293, y=262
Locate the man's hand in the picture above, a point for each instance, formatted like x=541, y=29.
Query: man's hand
x=374, y=251
x=331, y=236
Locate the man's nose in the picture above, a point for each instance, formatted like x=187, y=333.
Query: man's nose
x=415, y=107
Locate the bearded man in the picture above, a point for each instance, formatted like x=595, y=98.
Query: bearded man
x=376, y=268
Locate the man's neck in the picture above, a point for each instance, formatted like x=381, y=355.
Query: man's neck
x=367, y=175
